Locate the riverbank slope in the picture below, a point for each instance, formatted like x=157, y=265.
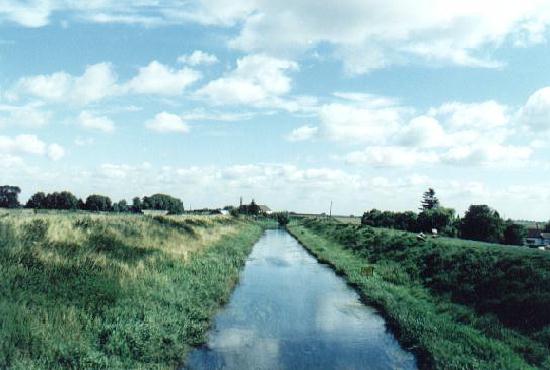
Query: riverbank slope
x=413, y=285
x=113, y=291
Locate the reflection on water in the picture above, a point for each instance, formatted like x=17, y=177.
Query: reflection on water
x=289, y=312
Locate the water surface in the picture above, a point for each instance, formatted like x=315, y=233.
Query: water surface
x=290, y=312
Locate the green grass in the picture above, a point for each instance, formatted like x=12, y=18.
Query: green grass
x=113, y=291
x=449, y=301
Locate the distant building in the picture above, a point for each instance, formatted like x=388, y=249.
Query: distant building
x=154, y=212
x=265, y=209
x=537, y=238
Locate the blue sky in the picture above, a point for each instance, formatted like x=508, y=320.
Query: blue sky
x=294, y=103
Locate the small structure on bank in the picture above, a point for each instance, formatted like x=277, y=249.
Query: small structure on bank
x=254, y=209
x=537, y=238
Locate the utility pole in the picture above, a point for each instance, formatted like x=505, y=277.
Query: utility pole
x=330, y=211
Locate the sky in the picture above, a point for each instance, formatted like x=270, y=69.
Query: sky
x=365, y=103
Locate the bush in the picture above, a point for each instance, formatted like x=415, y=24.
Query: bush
x=482, y=223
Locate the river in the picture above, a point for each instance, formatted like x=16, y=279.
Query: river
x=290, y=312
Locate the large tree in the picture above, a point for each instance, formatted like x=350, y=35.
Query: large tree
x=9, y=196
x=429, y=200
x=482, y=223
x=98, y=203
x=62, y=200
x=163, y=202
x=514, y=234
x=440, y=218
x=37, y=200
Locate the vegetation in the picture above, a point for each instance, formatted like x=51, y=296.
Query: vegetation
x=113, y=291
x=98, y=203
x=458, y=304
x=480, y=222
x=429, y=200
x=483, y=224
x=9, y=195
x=163, y=202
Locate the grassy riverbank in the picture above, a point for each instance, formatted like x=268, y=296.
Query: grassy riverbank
x=456, y=304
x=113, y=291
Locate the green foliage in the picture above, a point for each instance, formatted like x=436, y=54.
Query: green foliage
x=136, y=205
x=282, y=218
x=9, y=196
x=56, y=200
x=439, y=218
x=460, y=304
x=429, y=200
x=37, y=200
x=482, y=223
x=394, y=220
x=98, y=203
x=112, y=291
x=121, y=206
x=514, y=234
x=163, y=202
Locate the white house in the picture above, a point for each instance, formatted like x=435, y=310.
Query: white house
x=537, y=238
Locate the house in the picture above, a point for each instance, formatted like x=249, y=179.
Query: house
x=265, y=209
x=154, y=212
x=537, y=238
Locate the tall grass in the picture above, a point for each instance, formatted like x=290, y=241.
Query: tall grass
x=113, y=291
x=445, y=298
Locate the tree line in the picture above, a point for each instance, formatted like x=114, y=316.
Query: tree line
x=65, y=200
x=480, y=222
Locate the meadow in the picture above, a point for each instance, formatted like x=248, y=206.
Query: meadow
x=457, y=304
x=83, y=290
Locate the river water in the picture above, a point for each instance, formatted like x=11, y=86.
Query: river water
x=290, y=312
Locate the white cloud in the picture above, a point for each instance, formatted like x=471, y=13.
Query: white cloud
x=98, y=123
x=302, y=133
x=55, y=152
x=535, y=114
x=373, y=124
x=392, y=156
x=494, y=154
x=257, y=79
x=100, y=81
x=198, y=57
x=363, y=34
x=166, y=122
x=97, y=82
x=455, y=133
x=374, y=34
x=159, y=79
x=29, y=115
x=485, y=115
x=29, y=144
x=28, y=14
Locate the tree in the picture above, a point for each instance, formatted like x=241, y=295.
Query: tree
x=9, y=196
x=439, y=218
x=406, y=221
x=429, y=200
x=37, y=201
x=514, y=234
x=136, y=205
x=121, y=206
x=163, y=202
x=482, y=223
x=98, y=203
x=372, y=218
x=282, y=218
x=63, y=200
x=80, y=204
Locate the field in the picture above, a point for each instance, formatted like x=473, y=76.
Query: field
x=113, y=291
x=457, y=304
